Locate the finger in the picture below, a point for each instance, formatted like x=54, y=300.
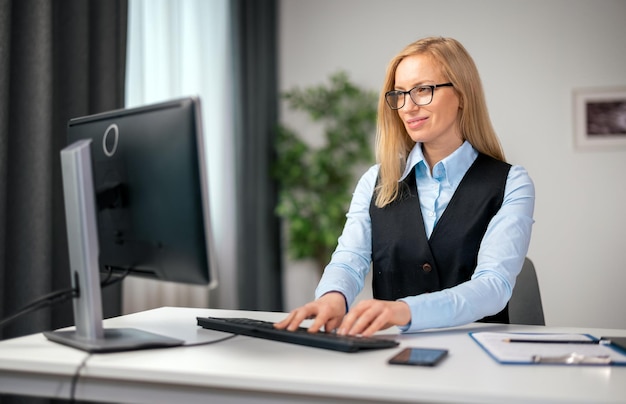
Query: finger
x=361, y=324
x=292, y=321
x=303, y=313
x=375, y=325
x=326, y=318
x=332, y=324
x=317, y=324
x=364, y=315
x=285, y=322
x=349, y=320
x=379, y=316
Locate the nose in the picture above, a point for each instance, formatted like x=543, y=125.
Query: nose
x=408, y=104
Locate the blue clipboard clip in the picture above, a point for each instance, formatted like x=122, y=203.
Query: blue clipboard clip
x=573, y=358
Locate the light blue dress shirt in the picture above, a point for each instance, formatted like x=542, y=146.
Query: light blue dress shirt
x=500, y=257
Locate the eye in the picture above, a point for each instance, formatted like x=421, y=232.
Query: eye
x=421, y=90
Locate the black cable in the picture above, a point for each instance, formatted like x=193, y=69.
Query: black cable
x=76, y=376
x=109, y=275
x=47, y=300
x=60, y=296
x=110, y=280
x=215, y=341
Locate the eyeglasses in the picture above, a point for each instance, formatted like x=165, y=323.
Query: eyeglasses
x=420, y=95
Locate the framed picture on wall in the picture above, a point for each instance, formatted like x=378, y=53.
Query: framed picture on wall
x=600, y=118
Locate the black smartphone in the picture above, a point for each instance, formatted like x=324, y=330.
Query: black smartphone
x=419, y=356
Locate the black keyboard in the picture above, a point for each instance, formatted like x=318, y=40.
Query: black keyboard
x=266, y=330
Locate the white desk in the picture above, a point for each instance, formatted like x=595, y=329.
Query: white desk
x=244, y=369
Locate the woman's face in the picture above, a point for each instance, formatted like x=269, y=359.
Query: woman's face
x=435, y=124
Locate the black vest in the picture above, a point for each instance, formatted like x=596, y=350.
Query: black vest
x=407, y=263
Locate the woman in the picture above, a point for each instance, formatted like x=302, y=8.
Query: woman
x=444, y=220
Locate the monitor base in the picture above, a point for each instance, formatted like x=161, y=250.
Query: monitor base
x=115, y=340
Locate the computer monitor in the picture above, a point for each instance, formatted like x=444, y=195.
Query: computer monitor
x=136, y=202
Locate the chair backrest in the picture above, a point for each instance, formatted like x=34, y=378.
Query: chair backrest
x=525, y=305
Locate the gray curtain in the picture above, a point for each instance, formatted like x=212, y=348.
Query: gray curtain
x=59, y=59
x=254, y=24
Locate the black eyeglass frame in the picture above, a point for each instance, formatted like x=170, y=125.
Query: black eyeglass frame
x=404, y=93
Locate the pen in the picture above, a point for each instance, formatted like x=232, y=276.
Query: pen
x=553, y=341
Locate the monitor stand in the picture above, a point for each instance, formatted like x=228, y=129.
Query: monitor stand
x=82, y=233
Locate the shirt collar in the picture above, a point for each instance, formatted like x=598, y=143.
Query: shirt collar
x=453, y=167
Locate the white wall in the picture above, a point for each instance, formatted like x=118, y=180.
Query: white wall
x=531, y=54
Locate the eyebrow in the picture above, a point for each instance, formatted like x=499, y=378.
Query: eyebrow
x=420, y=83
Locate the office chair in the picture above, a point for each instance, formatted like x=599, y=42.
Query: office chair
x=525, y=305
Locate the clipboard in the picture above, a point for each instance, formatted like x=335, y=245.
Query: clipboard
x=548, y=348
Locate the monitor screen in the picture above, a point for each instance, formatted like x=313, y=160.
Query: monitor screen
x=150, y=182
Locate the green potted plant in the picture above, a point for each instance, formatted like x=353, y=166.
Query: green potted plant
x=316, y=184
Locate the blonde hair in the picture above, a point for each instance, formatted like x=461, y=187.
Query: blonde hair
x=393, y=144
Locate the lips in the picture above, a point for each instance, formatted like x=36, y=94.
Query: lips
x=416, y=122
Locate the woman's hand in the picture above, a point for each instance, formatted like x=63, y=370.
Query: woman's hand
x=367, y=317
x=372, y=315
x=328, y=311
